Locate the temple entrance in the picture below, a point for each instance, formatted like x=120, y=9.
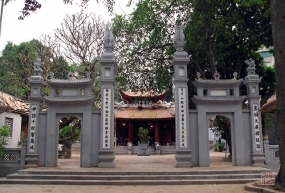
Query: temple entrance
x=160, y=131
x=220, y=146
x=69, y=137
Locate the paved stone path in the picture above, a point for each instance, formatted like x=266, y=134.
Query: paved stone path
x=134, y=163
x=121, y=189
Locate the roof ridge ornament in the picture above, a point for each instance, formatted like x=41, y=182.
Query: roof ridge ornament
x=70, y=75
x=88, y=74
x=179, y=38
x=217, y=75
x=109, y=39
x=235, y=75
x=51, y=74
x=198, y=75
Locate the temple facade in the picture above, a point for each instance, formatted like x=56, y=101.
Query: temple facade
x=148, y=110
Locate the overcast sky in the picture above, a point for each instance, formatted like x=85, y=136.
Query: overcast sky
x=46, y=19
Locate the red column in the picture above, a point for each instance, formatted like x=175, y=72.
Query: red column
x=130, y=132
x=156, y=131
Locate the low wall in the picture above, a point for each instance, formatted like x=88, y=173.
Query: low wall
x=271, y=156
x=12, y=160
x=169, y=149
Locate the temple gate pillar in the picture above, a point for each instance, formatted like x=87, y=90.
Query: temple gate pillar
x=251, y=81
x=180, y=62
x=108, y=63
x=36, y=82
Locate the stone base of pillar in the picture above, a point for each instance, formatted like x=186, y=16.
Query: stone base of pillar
x=258, y=159
x=106, y=159
x=183, y=159
x=31, y=160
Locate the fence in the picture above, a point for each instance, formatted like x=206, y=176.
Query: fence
x=12, y=160
x=272, y=156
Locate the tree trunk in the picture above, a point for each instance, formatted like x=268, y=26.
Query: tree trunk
x=67, y=149
x=1, y=15
x=278, y=31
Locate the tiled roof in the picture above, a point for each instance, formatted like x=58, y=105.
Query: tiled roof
x=270, y=105
x=134, y=113
x=142, y=94
x=13, y=104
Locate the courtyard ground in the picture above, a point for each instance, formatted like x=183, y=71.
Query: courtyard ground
x=134, y=163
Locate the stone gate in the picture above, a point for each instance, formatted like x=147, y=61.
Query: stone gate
x=214, y=97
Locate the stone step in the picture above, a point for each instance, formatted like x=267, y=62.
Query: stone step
x=85, y=177
x=127, y=182
x=193, y=172
x=132, y=177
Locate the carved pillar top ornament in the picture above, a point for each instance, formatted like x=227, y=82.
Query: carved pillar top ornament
x=251, y=66
x=179, y=38
x=109, y=40
x=37, y=68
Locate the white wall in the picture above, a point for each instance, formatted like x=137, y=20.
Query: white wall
x=17, y=119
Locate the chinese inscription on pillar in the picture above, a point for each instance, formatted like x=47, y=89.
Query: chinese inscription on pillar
x=106, y=118
x=182, y=116
x=33, y=129
x=256, y=127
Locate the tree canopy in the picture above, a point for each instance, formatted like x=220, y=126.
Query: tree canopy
x=220, y=37
x=16, y=64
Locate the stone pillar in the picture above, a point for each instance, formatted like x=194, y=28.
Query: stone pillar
x=86, y=133
x=130, y=132
x=238, y=153
x=251, y=81
x=36, y=82
x=180, y=62
x=52, y=139
x=108, y=63
x=156, y=132
x=266, y=151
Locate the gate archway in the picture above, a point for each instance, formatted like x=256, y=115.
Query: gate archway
x=73, y=96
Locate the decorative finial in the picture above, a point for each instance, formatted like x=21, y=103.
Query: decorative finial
x=217, y=75
x=37, y=68
x=88, y=73
x=235, y=75
x=70, y=75
x=179, y=38
x=51, y=74
x=109, y=40
x=251, y=66
x=198, y=75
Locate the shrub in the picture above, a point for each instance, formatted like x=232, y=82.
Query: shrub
x=4, y=135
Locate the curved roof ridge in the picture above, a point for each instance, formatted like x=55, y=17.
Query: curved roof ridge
x=142, y=94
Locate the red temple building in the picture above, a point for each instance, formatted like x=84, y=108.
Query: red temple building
x=147, y=110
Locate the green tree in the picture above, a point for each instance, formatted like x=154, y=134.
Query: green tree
x=220, y=37
x=16, y=66
x=144, y=44
x=222, y=127
x=4, y=135
x=69, y=135
x=143, y=135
